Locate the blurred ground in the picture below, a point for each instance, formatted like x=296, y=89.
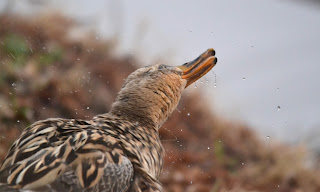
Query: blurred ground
x=46, y=72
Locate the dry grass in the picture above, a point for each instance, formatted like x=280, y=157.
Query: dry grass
x=46, y=73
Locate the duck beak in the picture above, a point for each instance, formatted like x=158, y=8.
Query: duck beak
x=197, y=68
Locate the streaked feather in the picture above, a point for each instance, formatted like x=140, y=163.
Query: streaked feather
x=50, y=150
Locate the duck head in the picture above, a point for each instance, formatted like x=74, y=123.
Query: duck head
x=150, y=94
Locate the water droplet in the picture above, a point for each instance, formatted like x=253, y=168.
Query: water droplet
x=201, y=81
x=18, y=121
x=43, y=48
x=278, y=108
x=78, y=59
x=14, y=56
x=285, y=122
x=189, y=166
x=268, y=137
x=278, y=186
x=190, y=182
x=188, y=114
x=215, y=79
x=208, y=148
x=211, y=33
x=278, y=88
x=13, y=84
x=88, y=107
x=242, y=163
x=195, y=85
x=243, y=78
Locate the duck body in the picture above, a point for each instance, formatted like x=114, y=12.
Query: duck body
x=103, y=144
x=117, y=151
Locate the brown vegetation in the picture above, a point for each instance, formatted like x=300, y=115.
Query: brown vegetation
x=45, y=73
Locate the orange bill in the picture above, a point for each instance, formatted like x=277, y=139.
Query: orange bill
x=197, y=68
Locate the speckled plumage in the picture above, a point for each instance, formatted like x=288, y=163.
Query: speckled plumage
x=118, y=151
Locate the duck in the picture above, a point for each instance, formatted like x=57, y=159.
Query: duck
x=117, y=151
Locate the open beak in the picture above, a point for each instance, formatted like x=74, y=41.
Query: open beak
x=197, y=68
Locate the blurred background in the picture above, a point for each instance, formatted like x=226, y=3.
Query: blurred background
x=250, y=125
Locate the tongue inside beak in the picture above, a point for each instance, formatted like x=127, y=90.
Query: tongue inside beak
x=197, y=68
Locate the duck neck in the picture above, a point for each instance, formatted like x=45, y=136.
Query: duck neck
x=150, y=106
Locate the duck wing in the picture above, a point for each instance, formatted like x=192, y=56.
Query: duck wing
x=66, y=155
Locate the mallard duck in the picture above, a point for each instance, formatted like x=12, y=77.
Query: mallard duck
x=117, y=151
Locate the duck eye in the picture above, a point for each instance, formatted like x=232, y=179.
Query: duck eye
x=162, y=67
